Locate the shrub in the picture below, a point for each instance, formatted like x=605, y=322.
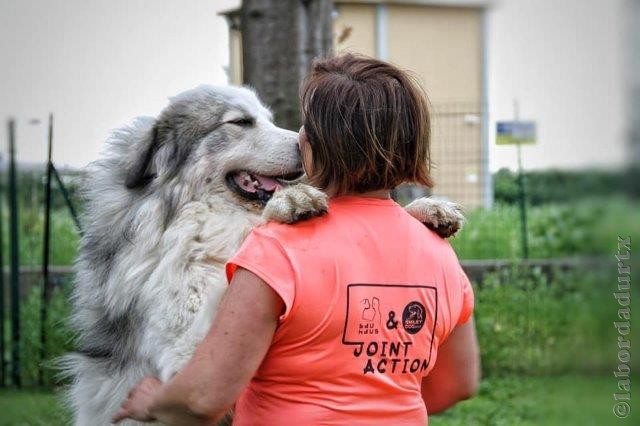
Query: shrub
x=528, y=324
x=63, y=242
x=585, y=228
x=59, y=336
x=531, y=324
x=566, y=186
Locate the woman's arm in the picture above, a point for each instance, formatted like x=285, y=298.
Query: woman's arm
x=456, y=375
x=224, y=362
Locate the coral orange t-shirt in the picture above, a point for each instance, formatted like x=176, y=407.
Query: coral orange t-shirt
x=370, y=294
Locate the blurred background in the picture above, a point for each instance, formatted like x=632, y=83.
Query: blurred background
x=536, y=133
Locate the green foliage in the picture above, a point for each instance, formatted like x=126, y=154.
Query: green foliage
x=63, y=243
x=585, y=228
x=527, y=324
x=31, y=185
x=565, y=400
x=502, y=401
x=59, y=336
x=32, y=408
x=489, y=234
x=562, y=186
x=530, y=324
x=505, y=187
x=64, y=235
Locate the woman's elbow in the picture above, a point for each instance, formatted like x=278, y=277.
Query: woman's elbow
x=471, y=382
x=206, y=408
x=469, y=391
x=470, y=387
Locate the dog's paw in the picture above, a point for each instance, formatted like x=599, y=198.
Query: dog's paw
x=295, y=203
x=443, y=217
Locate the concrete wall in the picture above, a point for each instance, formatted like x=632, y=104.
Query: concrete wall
x=356, y=24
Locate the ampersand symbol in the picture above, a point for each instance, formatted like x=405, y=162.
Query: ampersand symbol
x=391, y=324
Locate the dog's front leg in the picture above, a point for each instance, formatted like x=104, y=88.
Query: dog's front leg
x=295, y=203
x=443, y=217
x=186, y=322
x=300, y=202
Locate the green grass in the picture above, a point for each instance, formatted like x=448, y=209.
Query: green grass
x=32, y=408
x=531, y=324
x=584, y=228
x=551, y=400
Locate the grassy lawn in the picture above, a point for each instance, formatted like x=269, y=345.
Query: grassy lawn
x=32, y=408
x=560, y=400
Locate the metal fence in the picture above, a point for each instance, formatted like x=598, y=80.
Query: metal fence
x=27, y=221
x=459, y=156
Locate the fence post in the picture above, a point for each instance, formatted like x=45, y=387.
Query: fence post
x=15, y=261
x=521, y=187
x=46, y=285
x=67, y=199
x=3, y=365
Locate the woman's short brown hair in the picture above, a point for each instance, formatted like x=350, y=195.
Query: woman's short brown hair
x=367, y=123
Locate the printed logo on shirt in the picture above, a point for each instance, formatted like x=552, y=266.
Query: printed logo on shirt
x=413, y=317
x=391, y=327
x=370, y=320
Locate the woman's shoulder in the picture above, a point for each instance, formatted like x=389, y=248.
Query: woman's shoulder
x=290, y=231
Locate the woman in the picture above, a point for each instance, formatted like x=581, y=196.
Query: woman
x=338, y=319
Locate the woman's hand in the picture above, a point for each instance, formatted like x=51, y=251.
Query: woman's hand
x=137, y=406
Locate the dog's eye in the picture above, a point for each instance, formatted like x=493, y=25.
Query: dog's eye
x=241, y=122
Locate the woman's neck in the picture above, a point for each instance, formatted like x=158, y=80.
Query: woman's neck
x=384, y=194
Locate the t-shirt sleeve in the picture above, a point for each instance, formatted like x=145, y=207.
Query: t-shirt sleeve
x=263, y=255
x=467, y=298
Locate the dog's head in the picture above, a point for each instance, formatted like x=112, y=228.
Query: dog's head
x=216, y=140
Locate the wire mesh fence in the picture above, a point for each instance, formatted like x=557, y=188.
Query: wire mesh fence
x=459, y=155
x=460, y=168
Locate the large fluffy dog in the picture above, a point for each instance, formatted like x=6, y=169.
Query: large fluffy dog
x=169, y=202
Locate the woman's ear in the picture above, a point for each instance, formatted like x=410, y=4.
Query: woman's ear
x=304, y=149
x=143, y=169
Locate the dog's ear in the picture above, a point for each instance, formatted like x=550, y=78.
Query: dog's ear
x=143, y=169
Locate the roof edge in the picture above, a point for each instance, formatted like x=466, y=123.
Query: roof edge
x=447, y=3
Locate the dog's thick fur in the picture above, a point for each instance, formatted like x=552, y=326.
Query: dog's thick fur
x=163, y=216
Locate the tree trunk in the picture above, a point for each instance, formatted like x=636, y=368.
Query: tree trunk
x=280, y=38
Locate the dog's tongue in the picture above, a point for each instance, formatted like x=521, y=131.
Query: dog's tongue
x=253, y=182
x=267, y=183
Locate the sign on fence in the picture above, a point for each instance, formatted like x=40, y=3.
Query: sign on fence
x=515, y=132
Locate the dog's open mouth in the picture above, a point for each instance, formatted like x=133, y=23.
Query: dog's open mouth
x=254, y=186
